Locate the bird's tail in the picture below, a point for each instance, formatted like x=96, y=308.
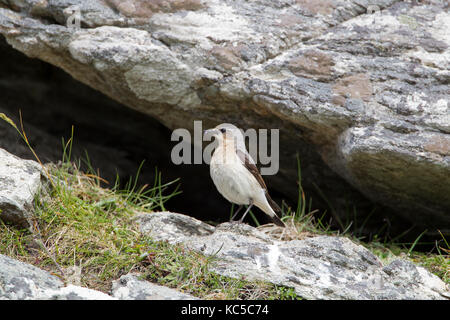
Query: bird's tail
x=277, y=211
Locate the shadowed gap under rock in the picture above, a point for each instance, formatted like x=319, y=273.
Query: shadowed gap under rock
x=51, y=101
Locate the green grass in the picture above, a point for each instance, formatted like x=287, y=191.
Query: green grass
x=77, y=223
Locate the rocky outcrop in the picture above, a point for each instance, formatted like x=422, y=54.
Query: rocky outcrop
x=20, y=180
x=358, y=88
x=321, y=267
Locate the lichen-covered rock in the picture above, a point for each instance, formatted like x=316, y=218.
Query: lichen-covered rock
x=20, y=180
x=72, y=292
x=171, y=226
x=321, y=267
x=358, y=88
x=129, y=287
x=22, y=281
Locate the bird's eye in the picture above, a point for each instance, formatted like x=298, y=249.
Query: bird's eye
x=223, y=130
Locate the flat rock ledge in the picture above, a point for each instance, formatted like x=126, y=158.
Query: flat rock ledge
x=322, y=267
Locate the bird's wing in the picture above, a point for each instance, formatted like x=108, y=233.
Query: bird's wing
x=245, y=159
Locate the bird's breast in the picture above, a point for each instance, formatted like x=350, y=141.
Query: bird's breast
x=233, y=180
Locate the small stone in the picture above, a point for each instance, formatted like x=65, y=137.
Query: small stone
x=129, y=287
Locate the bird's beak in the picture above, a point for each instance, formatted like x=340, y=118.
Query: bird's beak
x=210, y=132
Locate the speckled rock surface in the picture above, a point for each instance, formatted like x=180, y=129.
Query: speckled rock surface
x=321, y=267
x=72, y=292
x=171, y=226
x=22, y=281
x=358, y=88
x=129, y=287
x=20, y=180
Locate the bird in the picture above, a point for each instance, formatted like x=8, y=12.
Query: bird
x=236, y=176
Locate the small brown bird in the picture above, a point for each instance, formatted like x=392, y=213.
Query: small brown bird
x=236, y=176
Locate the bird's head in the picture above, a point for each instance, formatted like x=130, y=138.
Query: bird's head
x=229, y=134
x=226, y=131
x=218, y=133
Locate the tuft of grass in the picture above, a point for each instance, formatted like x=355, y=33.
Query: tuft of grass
x=24, y=137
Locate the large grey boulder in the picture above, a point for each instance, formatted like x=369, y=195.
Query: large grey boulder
x=20, y=180
x=129, y=287
x=321, y=267
x=359, y=88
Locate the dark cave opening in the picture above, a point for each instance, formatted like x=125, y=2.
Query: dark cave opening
x=51, y=102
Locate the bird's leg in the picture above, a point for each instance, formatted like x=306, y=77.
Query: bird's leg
x=245, y=213
x=236, y=213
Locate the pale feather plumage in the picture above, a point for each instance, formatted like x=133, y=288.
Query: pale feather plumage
x=237, y=178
